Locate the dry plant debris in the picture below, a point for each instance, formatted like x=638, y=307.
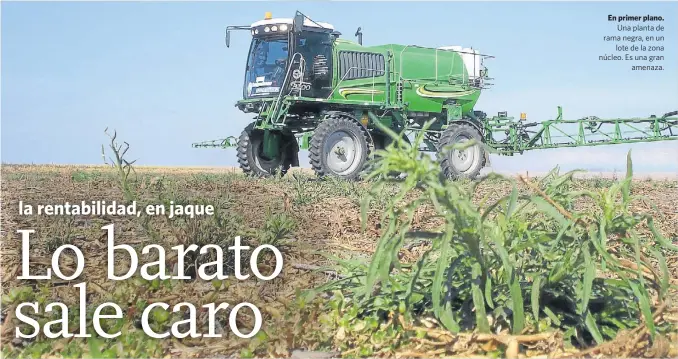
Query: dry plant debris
x=430, y=268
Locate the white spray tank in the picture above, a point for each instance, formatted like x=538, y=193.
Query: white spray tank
x=471, y=59
x=472, y=62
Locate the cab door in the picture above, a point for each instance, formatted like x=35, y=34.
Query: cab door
x=311, y=75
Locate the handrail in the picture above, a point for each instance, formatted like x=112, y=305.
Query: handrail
x=285, y=81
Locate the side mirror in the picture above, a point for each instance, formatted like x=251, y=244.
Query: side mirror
x=228, y=38
x=298, y=22
x=359, y=35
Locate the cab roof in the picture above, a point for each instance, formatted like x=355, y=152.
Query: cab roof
x=288, y=21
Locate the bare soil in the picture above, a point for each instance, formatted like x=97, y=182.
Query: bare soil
x=322, y=216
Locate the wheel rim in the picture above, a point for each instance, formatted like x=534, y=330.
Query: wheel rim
x=465, y=161
x=342, y=152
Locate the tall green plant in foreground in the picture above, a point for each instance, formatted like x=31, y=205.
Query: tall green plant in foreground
x=527, y=262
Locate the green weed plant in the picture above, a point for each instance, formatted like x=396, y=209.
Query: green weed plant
x=529, y=262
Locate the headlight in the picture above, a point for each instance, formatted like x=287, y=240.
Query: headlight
x=283, y=27
x=267, y=29
x=274, y=28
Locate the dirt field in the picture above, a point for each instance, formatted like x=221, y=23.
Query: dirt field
x=297, y=213
x=657, y=176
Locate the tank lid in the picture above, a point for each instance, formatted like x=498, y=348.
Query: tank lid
x=450, y=48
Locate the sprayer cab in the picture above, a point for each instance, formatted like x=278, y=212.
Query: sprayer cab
x=287, y=55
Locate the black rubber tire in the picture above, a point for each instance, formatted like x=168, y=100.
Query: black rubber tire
x=452, y=135
x=334, y=122
x=254, y=164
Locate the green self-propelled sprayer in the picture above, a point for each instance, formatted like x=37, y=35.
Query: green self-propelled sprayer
x=310, y=89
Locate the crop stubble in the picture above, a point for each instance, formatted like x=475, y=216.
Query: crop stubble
x=322, y=216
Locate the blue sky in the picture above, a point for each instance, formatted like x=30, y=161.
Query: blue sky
x=160, y=75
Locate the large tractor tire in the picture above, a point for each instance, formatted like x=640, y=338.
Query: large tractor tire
x=339, y=147
x=254, y=162
x=466, y=163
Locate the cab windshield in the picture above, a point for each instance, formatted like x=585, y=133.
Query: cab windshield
x=266, y=67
